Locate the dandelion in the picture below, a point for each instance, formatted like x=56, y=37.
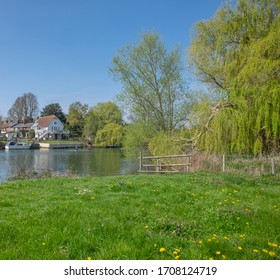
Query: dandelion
x=162, y=249
x=175, y=252
x=224, y=257
x=255, y=251
x=218, y=253
x=272, y=254
x=274, y=245
x=269, y=243
x=177, y=257
x=265, y=251
x=89, y=258
x=211, y=259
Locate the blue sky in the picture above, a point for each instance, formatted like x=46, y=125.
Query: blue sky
x=61, y=50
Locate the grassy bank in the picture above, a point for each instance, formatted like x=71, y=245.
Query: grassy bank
x=193, y=216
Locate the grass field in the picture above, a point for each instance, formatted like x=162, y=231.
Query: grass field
x=182, y=216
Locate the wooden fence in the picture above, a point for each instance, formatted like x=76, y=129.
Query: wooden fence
x=164, y=164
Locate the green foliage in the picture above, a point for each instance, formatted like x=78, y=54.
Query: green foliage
x=237, y=52
x=110, y=135
x=154, y=91
x=54, y=109
x=31, y=134
x=165, y=144
x=136, y=138
x=76, y=117
x=99, y=116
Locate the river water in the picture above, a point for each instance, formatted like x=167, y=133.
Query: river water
x=93, y=162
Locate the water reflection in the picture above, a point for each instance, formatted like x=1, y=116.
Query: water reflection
x=94, y=162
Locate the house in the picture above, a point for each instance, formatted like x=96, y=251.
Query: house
x=22, y=129
x=8, y=130
x=49, y=127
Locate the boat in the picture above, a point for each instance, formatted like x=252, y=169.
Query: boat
x=12, y=145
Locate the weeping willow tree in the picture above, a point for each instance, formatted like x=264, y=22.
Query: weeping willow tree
x=237, y=53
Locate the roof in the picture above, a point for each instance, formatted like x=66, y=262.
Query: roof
x=23, y=125
x=8, y=125
x=45, y=121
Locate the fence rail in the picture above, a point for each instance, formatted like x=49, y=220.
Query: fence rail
x=164, y=164
x=199, y=161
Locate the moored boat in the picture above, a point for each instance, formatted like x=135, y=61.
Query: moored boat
x=12, y=145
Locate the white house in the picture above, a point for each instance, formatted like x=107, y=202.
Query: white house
x=49, y=127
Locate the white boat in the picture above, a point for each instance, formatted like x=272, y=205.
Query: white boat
x=12, y=145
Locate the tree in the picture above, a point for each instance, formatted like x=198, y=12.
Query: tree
x=110, y=135
x=99, y=116
x=54, y=109
x=24, y=109
x=31, y=134
x=237, y=53
x=154, y=90
x=76, y=117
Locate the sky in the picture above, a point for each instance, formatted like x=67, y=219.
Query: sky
x=61, y=50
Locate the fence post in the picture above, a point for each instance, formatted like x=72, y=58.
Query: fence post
x=272, y=166
x=140, y=162
x=224, y=163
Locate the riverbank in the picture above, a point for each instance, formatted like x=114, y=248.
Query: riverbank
x=182, y=216
x=60, y=146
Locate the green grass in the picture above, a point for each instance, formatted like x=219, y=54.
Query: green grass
x=190, y=216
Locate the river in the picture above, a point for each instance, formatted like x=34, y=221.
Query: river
x=92, y=162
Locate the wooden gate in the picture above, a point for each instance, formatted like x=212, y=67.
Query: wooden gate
x=165, y=164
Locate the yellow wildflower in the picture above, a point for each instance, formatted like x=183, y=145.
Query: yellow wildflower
x=224, y=257
x=240, y=248
x=265, y=251
x=255, y=251
x=177, y=257
x=218, y=253
x=211, y=259
x=272, y=254
x=274, y=245
x=88, y=258
x=162, y=249
x=146, y=227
